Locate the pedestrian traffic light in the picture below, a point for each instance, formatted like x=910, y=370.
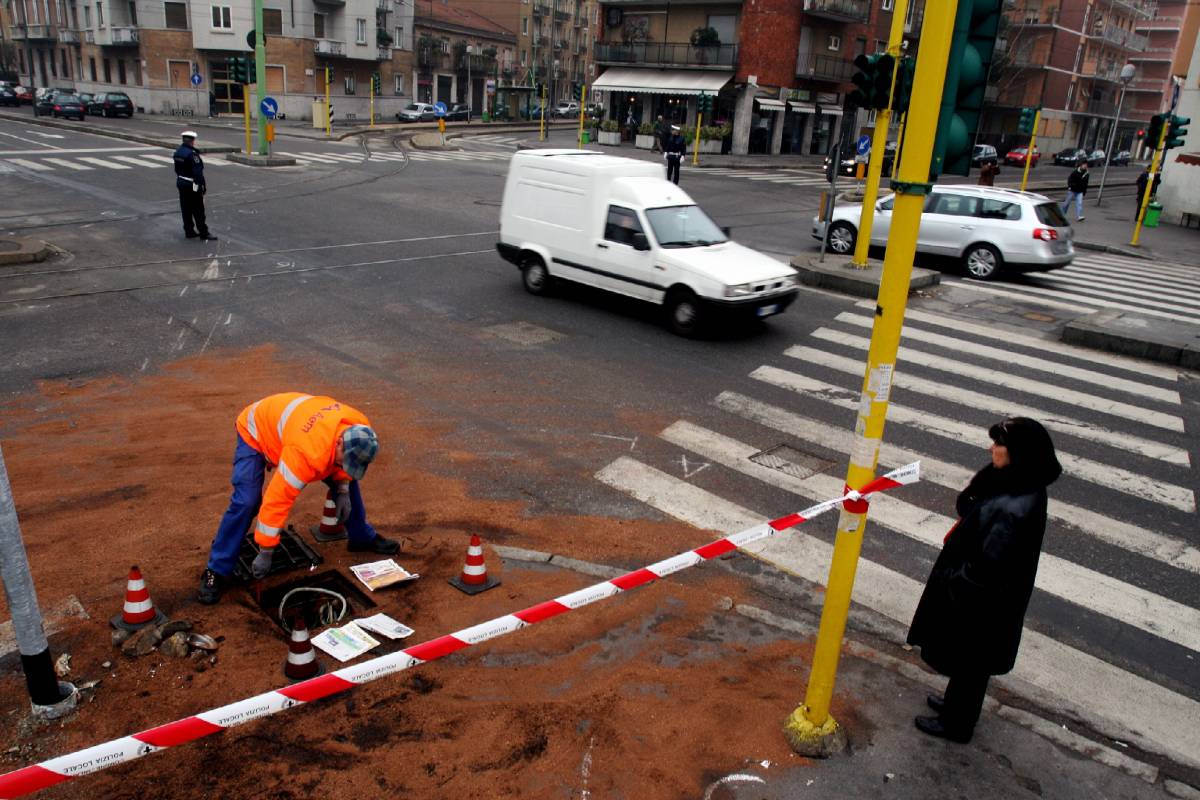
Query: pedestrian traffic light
x=905, y=71
x=1026, y=123
x=1176, y=131
x=873, y=79
x=1154, y=129
x=704, y=103
x=976, y=24
x=376, y=83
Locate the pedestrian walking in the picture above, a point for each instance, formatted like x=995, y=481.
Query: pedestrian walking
x=673, y=153
x=969, y=620
x=630, y=125
x=212, y=103
x=661, y=131
x=988, y=173
x=1142, y=180
x=189, y=180
x=1077, y=186
x=305, y=438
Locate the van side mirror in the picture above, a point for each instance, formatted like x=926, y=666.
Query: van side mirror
x=728, y=231
x=640, y=242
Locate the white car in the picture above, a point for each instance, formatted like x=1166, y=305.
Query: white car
x=989, y=229
x=567, y=108
x=417, y=112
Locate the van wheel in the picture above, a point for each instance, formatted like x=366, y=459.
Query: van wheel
x=982, y=261
x=535, y=275
x=685, y=313
x=842, y=238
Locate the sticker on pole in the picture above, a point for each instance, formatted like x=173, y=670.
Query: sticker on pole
x=196, y=79
x=269, y=107
x=439, y=109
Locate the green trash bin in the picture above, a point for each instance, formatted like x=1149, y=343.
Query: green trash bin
x=583, y=137
x=1153, y=212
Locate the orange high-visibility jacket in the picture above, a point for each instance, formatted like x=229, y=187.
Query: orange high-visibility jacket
x=296, y=433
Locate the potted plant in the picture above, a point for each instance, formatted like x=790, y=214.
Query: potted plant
x=645, y=136
x=703, y=39
x=610, y=133
x=383, y=38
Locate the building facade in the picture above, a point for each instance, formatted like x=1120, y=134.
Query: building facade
x=1180, y=190
x=461, y=56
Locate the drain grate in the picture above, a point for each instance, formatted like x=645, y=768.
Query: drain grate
x=319, y=609
x=791, y=461
x=292, y=553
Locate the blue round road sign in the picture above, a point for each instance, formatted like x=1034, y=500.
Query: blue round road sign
x=864, y=144
x=269, y=107
x=439, y=108
x=196, y=79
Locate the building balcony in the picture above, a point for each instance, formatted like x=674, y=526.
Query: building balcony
x=1119, y=37
x=562, y=16
x=69, y=36
x=331, y=3
x=1139, y=8
x=840, y=10
x=1149, y=54
x=123, y=37
x=912, y=23
x=680, y=54
x=1153, y=85
x=329, y=47
x=432, y=58
x=477, y=62
x=1159, y=24
x=560, y=44
x=89, y=37
x=33, y=33
x=834, y=69
x=540, y=10
x=1034, y=18
x=1096, y=108
x=383, y=53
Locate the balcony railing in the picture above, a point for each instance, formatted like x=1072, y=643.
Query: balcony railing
x=89, y=37
x=1121, y=38
x=562, y=16
x=679, y=53
x=383, y=53
x=1159, y=24
x=1142, y=8
x=432, y=58
x=329, y=47
x=540, y=10
x=842, y=10
x=67, y=36
x=383, y=5
x=824, y=68
x=124, y=36
x=1147, y=85
x=32, y=32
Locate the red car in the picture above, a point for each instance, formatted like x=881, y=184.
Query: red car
x=1017, y=156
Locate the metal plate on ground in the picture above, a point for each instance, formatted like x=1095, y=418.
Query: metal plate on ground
x=791, y=461
x=292, y=553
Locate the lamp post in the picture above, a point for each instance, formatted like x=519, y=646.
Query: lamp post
x=1127, y=72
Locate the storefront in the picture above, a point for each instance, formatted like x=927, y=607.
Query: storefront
x=641, y=95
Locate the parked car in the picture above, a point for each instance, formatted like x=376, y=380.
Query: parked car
x=416, y=112
x=566, y=109
x=617, y=224
x=67, y=105
x=534, y=112
x=1096, y=158
x=458, y=112
x=111, y=104
x=8, y=96
x=988, y=229
x=85, y=98
x=983, y=153
x=1121, y=158
x=1018, y=156
x=43, y=102
x=1070, y=157
x=849, y=165
x=23, y=94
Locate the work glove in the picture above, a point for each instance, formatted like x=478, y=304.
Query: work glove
x=343, y=506
x=262, y=563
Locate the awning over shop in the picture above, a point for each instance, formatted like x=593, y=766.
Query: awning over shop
x=802, y=108
x=661, y=81
x=770, y=104
x=832, y=111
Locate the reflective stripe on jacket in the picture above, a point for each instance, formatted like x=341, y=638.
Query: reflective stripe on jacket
x=296, y=433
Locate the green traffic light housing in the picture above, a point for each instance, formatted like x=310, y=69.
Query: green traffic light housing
x=1176, y=131
x=873, y=80
x=1026, y=123
x=905, y=72
x=976, y=25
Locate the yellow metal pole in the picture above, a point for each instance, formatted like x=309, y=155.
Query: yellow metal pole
x=542, y=118
x=372, y=123
x=879, y=141
x=810, y=726
x=582, y=107
x=696, y=144
x=328, y=116
x=1154, y=164
x=1037, y=119
x=899, y=146
x=246, y=115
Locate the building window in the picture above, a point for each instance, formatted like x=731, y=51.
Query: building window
x=121, y=71
x=399, y=38
x=445, y=45
x=137, y=71
x=860, y=47
x=350, y=83
x=272, y=22
x=360, y=31
x=524, y=57
x=887, y=5
x=221, y=17
x=524, y=26
x=107, y=71
x=53, y=64
x=100, y=15
x=909, y=13
x=91, y=67
x=319, y=26
x=834, y=43
x=66, y=66
x=725, y=25
x=133, y=13
x=399, y=79
x=79, y=66
x=176, y=15
x=87, y=17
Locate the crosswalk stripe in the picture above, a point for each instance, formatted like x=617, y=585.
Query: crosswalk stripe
x=156, y=157
x=62, y=162
x=975, y=286
x=1084, y=685
x=102, y=162
x=1144, y=276
x=1051, y=297
x=347, y=157
x=1027, y=362
x=999, y=377
x=389, y=156
x=137, y=162
x=1125, y=286
x=424, y=156
x=37, y=166
x=1049, y=345
x=1150, y=544
x=1138, y=265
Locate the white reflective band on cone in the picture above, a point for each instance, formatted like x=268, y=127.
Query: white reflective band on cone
x=144, y=605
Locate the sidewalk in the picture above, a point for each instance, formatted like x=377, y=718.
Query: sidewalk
x=1110, y=227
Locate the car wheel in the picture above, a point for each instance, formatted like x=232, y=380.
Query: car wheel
x=684, y=312
x=982, y=261
x=842, y=238
x=535, y=276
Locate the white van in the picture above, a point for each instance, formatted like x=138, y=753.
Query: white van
x=618, y=224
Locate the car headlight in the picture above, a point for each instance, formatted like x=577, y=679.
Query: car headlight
x=741, y=290
x=790, y=282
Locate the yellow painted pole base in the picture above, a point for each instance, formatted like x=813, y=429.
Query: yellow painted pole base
x=814, y=741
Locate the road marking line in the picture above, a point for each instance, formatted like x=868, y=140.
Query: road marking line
x=74, y=151
x=158, y=158
x=1143, y=277
x=1112, y=287
x=1048, y=297
x=27, y=164
x=964, y=283
x=100, y=162
x=31, y=141
x=62, y=162
x=1138, y=708
x=137, y=162
x=1002, y=378
x=1139, y=265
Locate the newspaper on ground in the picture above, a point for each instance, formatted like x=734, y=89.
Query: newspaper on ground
x=378, y=574
x=344, y=643
x=385, y=626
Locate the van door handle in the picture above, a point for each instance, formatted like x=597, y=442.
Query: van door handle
x=602, y=244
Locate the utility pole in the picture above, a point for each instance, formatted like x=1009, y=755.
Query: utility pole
x=1127, y=73
x=260, y=76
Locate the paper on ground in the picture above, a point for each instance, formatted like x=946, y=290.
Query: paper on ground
x=344, y=643
x=386, y=626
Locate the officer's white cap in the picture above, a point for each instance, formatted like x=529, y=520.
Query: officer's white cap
x=189, y=135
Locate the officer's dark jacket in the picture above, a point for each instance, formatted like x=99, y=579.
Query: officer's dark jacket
x=189, y=167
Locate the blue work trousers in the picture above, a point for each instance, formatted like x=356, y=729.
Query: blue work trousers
x=249, y=470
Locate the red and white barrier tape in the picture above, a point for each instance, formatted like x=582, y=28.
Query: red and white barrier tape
x=101, y=756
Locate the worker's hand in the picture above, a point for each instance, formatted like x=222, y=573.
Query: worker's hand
x=343, y=506
x=262, y=563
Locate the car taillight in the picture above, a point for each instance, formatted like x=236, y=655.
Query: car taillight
x=1045, y=234
x=58, y=108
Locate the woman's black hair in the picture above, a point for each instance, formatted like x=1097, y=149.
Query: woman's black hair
x=1030, y=450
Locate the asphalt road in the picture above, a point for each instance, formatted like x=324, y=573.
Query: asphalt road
x=364, y=257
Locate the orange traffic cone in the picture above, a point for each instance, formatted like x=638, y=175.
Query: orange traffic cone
x=474, y=578
x=139, y=610
x=302, y=661
x=330, y=530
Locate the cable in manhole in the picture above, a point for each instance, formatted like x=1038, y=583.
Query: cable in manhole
x=320, y=608
x=791, y=461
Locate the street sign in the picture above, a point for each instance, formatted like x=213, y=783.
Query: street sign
x=269, y=107
x=250, y=39
x=490, y=85
x=439, y=109
x=864, y=144
x=196, y=79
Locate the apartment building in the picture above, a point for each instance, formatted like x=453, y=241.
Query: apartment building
x=461, y=56
x=1170, y=41
x=170, y=56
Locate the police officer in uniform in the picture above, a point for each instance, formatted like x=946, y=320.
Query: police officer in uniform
x=189, y=179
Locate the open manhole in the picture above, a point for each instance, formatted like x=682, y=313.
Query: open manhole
x=791, y=461
x=292, y=553
x=320, y=609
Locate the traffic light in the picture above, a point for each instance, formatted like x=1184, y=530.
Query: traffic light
x=704, y=104
x=873, y=79
x=578, y=91
x=376, y=83
x=1154, y=130
x=1025, y=125
x=237, y=68
x=976, y=24
x=905, y=71
x=1176, y=132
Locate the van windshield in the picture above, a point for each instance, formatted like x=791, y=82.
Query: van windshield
x=683, y=226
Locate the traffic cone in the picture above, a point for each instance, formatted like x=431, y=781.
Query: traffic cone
x=474, y=578
x=330, y=530
x=302, y=661
x=139, y=610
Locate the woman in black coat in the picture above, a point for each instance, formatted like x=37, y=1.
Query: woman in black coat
x=968, y=623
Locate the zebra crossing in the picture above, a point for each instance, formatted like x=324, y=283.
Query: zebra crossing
x=1104, y=281
x=790, y=177
x=496, y=139
x=310, y=158
x=99, y=161
x=1119, y=428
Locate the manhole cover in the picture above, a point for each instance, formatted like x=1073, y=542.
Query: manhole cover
x=319, y=608
x=1036, y=317
x=791, y=461
x=292, y=553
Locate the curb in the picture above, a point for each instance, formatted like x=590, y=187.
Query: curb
x=836, y=274
x=169, y=144
x=1126, y=333
x=23, y=251
x=256, y=160
x=1109, y=248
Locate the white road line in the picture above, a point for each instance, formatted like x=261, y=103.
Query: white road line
x=100, y=162
x=62, y=162
x=389, y=156
x=309, y=159
x=1131, y=707
x=1000, y=377
x=1143, y=277
x=1050, y=297
x=159, y=158
x=1126, y=286
x=1141, y=368
x=1088, y=290
x=137, y=162
x=970, y=285
x=1026, y=361
x=345, y=157
x=37, y=166
x=31, y=141
x=1140, y=266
